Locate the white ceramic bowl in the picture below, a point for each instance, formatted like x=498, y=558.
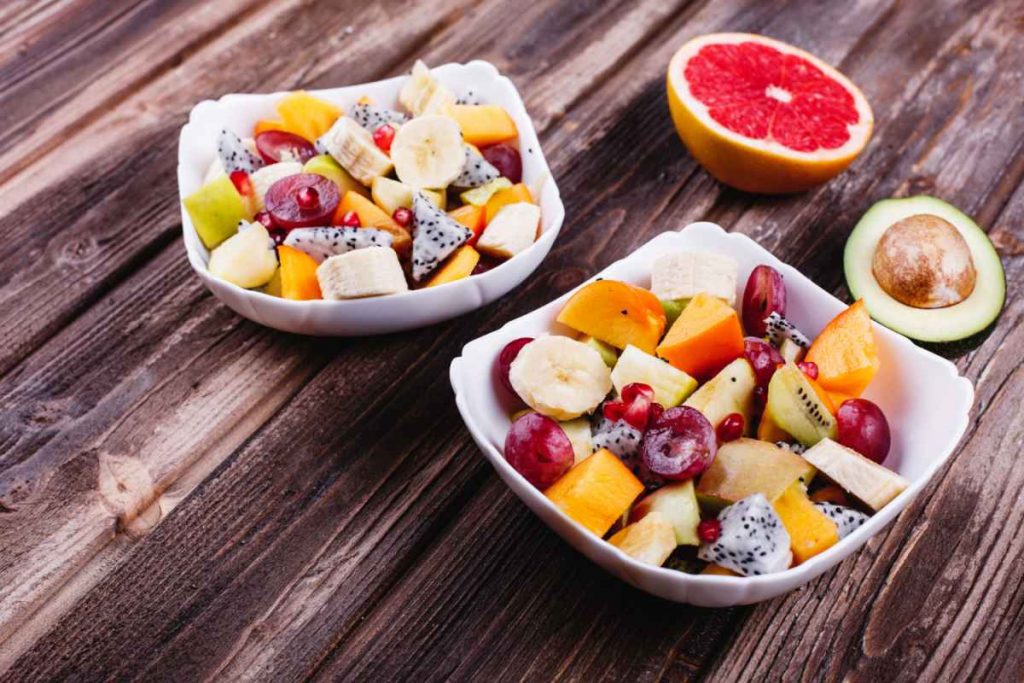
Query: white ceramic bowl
x=239, y=113
x=926, y=401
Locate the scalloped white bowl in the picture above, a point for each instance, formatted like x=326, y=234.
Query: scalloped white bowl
x=926, y=401
x=376, y=315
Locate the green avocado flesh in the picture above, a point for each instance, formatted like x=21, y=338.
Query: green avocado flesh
x=948, y=324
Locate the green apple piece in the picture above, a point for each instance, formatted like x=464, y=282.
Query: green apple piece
x=744, y=467
x=673, y=308
x=794, y=406
x=730, y=391
x=478, y=196
x=866, y=479
x=671, y=385
x=651, y=540
x=325, y=165
x=392, y=195
x=579, y=434
x=609, y=354
x=246, y=259
x=677, y=503
x=216, y=209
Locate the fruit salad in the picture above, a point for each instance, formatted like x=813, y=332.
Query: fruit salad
x=698, y=432
x=347, y=200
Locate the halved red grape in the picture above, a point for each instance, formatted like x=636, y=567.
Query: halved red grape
x=505, y=358
x=764, y=294
x=763, y=357
x=537, y=448
x=302, y=200
x=278, y=145
x=679, y=445
x=861, y=425
x=506, y=159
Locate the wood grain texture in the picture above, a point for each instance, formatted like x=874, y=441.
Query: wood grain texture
x=185, y=495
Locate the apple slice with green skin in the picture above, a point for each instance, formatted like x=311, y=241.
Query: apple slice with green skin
x=609, y=354
x=673, y=308
x=651, y=540
x=392, y=195
x=671, y=385
x=867, y=480
x=216, y=209
x=744, y=467
x=730, y=391
x=325, y=165
x=795, y=407
x=677, y=503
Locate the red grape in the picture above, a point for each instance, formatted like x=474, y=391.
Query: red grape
x=765, y=293
x=862, y=426
x=302, y=200
x=506, y=159
x=730, y=428
x=505, y=358
x=709, y=530
x=537, y=448
x=763, y=357
x=278, y=145
x=679, y=445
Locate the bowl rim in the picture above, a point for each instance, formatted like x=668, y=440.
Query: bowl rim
x=258, y=297
x=803, y=572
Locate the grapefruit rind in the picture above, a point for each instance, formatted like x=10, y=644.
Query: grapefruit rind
x=753, y=165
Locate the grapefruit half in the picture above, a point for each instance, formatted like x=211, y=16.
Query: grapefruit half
x=764, y=116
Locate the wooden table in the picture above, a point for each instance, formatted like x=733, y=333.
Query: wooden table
x=185, y=494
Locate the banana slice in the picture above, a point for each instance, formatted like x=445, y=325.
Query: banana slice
x=428, y=152
x=560, y=377
x=374, y=271
x=423, y=94
x=353, y=147
x=682, y=275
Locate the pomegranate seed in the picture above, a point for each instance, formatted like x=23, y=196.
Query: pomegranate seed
x=383, y=137
x=402, y=216
x=351, y=220
x=307, y=198
x=278, y=235
x=709, y=530
x=730, y=428
x=241, y=181
x=809, y=368
x=266, y=219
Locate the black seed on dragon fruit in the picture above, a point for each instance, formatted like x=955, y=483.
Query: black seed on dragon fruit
x=847, y=519
x=620, y=437
x=371, y=117
x=322, y=243
x=753, y=540
x=435, y=236
x=778, y=329
x=476, y=171
x=235, y=155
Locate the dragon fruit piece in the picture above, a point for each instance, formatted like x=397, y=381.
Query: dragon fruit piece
x=235, y=155
x=435, y=236
x=619, y=437
x=753, y=540
x=476, y=171
x=322, y=243
x=846, y=519
x=778, y=329
x=371, y=117
x=469, y=97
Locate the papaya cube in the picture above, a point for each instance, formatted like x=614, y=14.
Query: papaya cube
x=616, y=313
x=460, y=265
x=810, y=530
x=596, y=492
x=718, y=570
x=473, y=218
x=306, y=115
x=846, y=353
x=510, y=195
x=483, y=124
x=372, y=216
x=297, y=274
x=704, y=338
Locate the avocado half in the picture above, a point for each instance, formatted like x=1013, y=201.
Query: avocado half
x=948, y=324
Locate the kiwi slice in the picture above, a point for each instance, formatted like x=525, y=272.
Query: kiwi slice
x=795, y=407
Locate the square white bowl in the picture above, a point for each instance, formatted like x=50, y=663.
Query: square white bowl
x=197, y=148
x=926, y=401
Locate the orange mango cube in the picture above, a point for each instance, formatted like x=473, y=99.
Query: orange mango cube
x=473, y=218
x=810, y=530
x=298, y=274
x=460, y=265
x=704, y=338
x=307, y=116
x=372, y=216
x=596, y=492
x=483, y=124
x=846, y=353
x=510, y=195
x=616, y=313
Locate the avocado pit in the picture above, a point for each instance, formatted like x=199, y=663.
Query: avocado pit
x=923, y=261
